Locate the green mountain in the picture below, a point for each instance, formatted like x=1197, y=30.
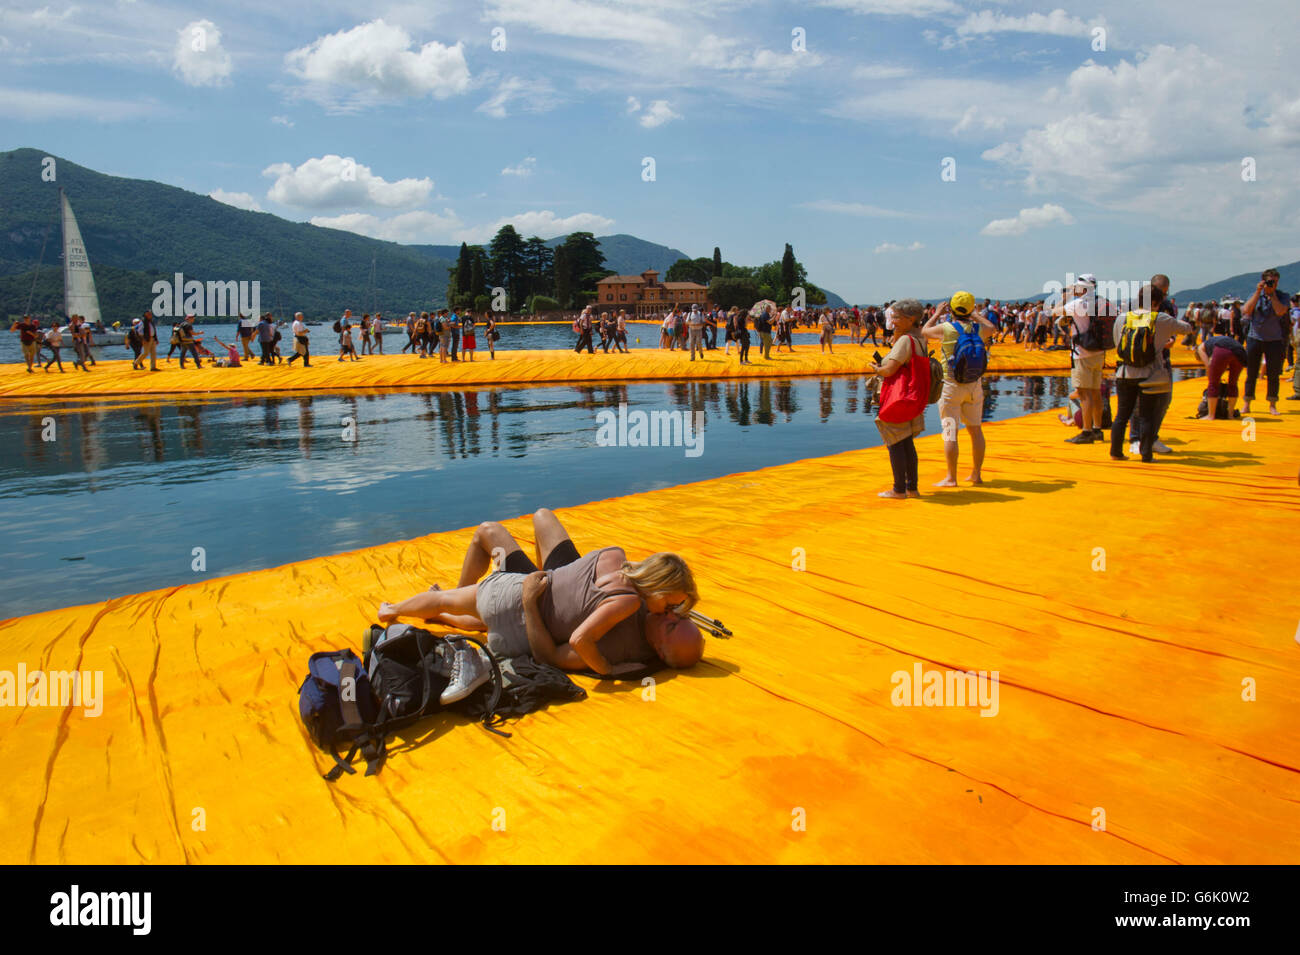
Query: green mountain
x=150, y=231
x=1241, y=286
x=139, y=232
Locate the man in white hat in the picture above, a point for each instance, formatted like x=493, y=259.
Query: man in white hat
x=1077, y=316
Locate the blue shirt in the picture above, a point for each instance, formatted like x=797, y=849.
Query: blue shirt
x=1265, y=323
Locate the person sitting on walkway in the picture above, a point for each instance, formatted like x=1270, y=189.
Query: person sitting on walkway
x=599, y=611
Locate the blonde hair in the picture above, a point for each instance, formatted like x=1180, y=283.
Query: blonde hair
x=662, y=573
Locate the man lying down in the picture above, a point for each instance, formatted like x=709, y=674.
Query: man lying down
x=597, y=612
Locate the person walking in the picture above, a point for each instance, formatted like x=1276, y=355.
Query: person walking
x=491, y=334
x=377, y=334
x=265, y=339
x=452, y=321
x=620, y=332
x=54, y=341
x=247, y=325
x=28, y=330
x=301, y=341
x=1081, y=315
x=188, y=341
x=149, y=340
x=583, y=325
x=742, y=336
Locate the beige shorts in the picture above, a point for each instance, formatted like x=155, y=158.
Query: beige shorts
x=1087, y=372
x=962, y=402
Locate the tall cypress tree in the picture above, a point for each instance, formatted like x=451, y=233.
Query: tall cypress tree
x=476, y=276
x=788, y=278
x=563, y=276
x=717, y=263
x=460, y=279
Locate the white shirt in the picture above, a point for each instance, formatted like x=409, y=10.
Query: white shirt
x=299, y=327
x=1081, y=311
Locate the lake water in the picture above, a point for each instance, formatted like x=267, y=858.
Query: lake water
x=116, y=502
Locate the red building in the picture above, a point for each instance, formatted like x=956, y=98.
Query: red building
x=644, y=294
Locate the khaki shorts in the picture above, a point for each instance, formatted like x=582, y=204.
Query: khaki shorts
x=29, y=350
x=1087, y=372
x=963, y=402
x=500, y=605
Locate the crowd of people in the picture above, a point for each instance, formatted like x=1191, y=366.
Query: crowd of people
x=1261, y=331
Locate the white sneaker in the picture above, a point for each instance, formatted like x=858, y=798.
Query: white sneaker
x=1135, y=447
x=1160, y=448
x=469, y=671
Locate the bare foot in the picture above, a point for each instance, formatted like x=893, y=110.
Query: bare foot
x=892, y=495
x=913, y=493
x=975, y=479
x=387, y=614
x=946, y=482
x=1272, y=409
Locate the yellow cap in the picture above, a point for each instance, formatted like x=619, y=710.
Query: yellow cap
x=963, y=303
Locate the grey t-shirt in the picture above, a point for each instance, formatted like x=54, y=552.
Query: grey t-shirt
x=1166, y=327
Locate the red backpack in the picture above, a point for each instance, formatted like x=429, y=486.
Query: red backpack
x=905, y=395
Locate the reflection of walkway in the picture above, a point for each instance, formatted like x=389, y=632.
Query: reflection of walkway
x=1121, y=689
x=510, y=367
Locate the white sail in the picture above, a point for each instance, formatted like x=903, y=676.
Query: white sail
x=79, y=297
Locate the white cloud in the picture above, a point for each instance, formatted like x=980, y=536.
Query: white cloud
x=1056, y=23
x=590, y=21
x=408, y=227
x=542, y=223
x=429, y=227
x=334, y=181
x=240, y=200
x=198, y=57
x=901, y=8
x=29, y=104
x=282, y=121
x=531, y=96
x=880, y=71
x=854, y=209
x=891, y=247
x=524, y=168
x=633, y=104
x=657, y=113
x=376, y=62
x=1027, y=219
x=1164, y=135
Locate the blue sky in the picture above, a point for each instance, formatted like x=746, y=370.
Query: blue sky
x=821, y=124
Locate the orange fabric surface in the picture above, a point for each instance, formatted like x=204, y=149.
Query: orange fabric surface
x=1119, y=690
x=327, y=374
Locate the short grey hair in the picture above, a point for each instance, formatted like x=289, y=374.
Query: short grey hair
x=908, y=308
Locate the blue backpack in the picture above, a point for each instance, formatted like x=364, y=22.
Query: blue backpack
x=970, y=359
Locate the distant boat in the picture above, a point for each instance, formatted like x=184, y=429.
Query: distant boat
x=79, y=295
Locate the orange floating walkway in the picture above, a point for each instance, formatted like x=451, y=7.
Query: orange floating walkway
x=327, y=374
x=1147, y=712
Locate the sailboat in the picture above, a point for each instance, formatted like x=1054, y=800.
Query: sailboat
x=79, y=295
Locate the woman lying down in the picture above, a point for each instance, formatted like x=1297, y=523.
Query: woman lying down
x=600, y=611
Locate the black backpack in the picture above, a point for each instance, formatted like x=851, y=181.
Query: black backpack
x=345, y=700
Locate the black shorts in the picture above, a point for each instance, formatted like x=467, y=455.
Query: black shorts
x=517, y=562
